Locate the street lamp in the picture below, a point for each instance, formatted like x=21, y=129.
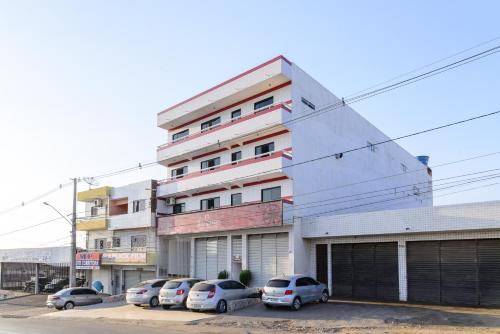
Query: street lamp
x=72, y=222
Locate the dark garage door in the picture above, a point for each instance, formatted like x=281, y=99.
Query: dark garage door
x=365, y=271
x=322, y=263
x=455, y=272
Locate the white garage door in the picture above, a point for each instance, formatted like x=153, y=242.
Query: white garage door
x=132, y=277
x=267, y=257
x=211, y=257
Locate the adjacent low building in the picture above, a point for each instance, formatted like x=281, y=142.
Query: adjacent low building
x=121, y=234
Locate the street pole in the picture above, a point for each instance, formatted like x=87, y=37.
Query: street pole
x=72, y=267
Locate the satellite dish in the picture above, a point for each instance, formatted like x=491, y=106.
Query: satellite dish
x=91, y=181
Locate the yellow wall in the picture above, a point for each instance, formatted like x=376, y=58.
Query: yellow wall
x=91, y=194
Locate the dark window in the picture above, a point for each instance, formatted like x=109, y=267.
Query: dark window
x=311, y=281
x=236, y=114
x=172, y=285
x=180, y=135
x=271, y=194
x=236, y=199
x=226, y=285
x=179, y=172
x=116, y=242
x=307, y=103
x=209, y=124
x=100, y=243
x=94, y=211
x=77, y=292
x=138, y=205
x=158, y=284
x=88, y=292
x=234, y=285
x=278, y=283
x=212, y=163
x=263, y=103
x=203, y=287
x=210, y=203
x=303, y=281
x=236, y=156
x=179, y=207
x=138, y=241
x=261, y=150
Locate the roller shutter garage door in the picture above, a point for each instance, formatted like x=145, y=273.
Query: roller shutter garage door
x=267, y=257
x=322, y=263
x=211, y=257
x=365, y=271
x=132, y=277
x=454, y=272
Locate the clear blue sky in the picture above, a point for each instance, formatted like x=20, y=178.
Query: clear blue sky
x=81, y=81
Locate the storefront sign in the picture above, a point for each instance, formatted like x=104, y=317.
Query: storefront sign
x=240, y=217
x=124, y=258
x=88, y=260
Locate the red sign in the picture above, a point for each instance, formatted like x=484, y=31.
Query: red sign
x=86, y=260
x=240, y=217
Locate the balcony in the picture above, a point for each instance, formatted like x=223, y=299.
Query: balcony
x=266, y=166
x=256, y=215
x=226, y=133
x=139, y=219
x=92, y=224
x=92, y=194
x=272, y=73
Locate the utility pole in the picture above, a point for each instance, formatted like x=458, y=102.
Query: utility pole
x=72, y=266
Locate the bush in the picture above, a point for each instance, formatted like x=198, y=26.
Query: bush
x=245, y=277
x=223, y=275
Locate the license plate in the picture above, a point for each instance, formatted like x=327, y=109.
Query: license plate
x=272, y=299
x=195, y=305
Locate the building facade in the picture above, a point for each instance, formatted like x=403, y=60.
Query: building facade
x=121, y=234
x=246, y=157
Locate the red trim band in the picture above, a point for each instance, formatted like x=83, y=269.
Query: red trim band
x=274, y=134
x=265, y=181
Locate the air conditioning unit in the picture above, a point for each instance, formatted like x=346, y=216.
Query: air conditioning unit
x=170, y=201
x=98, y=202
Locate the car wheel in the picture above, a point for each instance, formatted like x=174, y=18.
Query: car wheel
x=154, y=302
x=296, y=304
x=221, y=306
x=324, y=297
x=69, y=306
x=165, y=307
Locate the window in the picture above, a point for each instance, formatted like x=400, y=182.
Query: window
x=210, y=164
x=179, y=208
x=234, y=285
x=261, y=150
x=210, y=124
x=278, y=283
x=404, y=168
x=303, y=281
x=99, y=243
x=371, y=146
x=138, y=241
x=159, y=284
x=179, y=172
x=235, y=157
x=271, y=194
x=236, y=199
x=116, y=242
x=180, y=135
x=94, y=211
x=311, y=281
x=263, y=103
x=210, y=203
x=235, y=114
x=307, y=103
x=138, y=205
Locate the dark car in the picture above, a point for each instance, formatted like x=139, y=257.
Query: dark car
x=29, y=286
x=56, y=284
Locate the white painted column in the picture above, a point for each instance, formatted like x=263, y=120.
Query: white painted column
x=329, y=269
x=403, y=283
x=192, y=258
x=244, y=252
x=229, y=256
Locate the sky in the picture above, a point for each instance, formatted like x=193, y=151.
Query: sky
x=81, y=83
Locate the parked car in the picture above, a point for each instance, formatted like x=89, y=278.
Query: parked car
x=29, y=286
x=214, y=294
x=175, y=292
x=56, y=284
x=146, y=293
x=69, y=298
x=293, y=291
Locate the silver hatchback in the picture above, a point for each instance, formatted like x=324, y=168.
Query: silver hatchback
x=293, y=291
x=176, y=291
x=215, y=294
x=71, y=297
x=145, y=293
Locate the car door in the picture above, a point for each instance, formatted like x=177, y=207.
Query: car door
x=78, y=297
x=303, y=289
x=239, y=290
x=92, y=297
x=314, y=289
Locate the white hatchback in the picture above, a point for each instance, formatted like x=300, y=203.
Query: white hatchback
x=214, y=295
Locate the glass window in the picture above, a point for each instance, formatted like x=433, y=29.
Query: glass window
x=138, y=205
x=210, y=203
x=209, y=164
x=263, y=103
x=138, y=241
x=172, y=285
x=271, y=194
x=94, y=211
x=180, y=135
x=116, y=242
x=311, y=281
x=236, y=114
x=179, y=208
x=261, y=150
x=303, y=281
x=278, y=283
x=236, y=199
x=158, y=284
x=203, y=287
x=100, y=243
x=210, y=124
x=236, y=156
x=179, y=172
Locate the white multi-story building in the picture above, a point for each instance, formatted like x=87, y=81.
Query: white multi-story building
x=245, y=157
x=121, y=234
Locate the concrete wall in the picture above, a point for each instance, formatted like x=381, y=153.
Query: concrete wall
x=56, y=255
x=125, y=238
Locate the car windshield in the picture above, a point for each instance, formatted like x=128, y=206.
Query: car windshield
x=278, y=283
x=203, y=287
x=172, y=285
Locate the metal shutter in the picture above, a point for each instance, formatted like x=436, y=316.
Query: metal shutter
x=221, y=254
x=282, y=258
x=423, y=271
x=342, y=270
x=268, y=258
x=131, y=278
x=364, y=273
x=255, y=258
x=489, y=272
x=211, y=258
x=201, y=258
x=322, y=263
x=386, y=263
